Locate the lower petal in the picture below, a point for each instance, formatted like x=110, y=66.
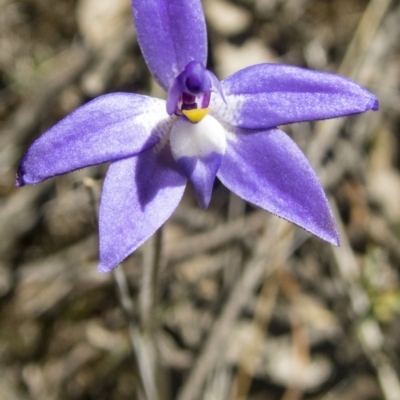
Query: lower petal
x=201, y=173
x=198, y=150
x=267, y=169
x=139, y=195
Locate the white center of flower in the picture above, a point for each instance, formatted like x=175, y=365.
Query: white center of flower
x=197, y=140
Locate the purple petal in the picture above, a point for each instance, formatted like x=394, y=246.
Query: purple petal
x=198, y=150
x=268, y=95
x=201, y=173
x=266, y=168
x=108, y=128
x=171, y=33
x=139, y=195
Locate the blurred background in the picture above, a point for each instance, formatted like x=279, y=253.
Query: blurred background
x=248, y=306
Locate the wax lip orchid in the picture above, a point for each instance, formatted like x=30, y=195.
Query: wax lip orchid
x=205, y=129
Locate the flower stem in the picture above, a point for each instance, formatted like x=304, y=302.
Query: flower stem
x=148, y=296
x=142, y=332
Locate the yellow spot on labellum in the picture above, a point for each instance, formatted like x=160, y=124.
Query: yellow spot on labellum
x=196, y=115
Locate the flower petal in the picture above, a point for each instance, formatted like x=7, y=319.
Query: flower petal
x=268, y=95
x=198, y=150
x=171, y=33
x=139, y=195
x=266, y=168
x=108, y=128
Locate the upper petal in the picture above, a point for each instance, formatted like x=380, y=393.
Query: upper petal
x=198, y=150
x=139, y=195
x=266, y=168
x=268, y=95
x=171, y=33
x=110, y=127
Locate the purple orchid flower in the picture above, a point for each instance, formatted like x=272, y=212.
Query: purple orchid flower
x=205, y=129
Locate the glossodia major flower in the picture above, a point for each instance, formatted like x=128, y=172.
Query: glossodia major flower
x=205, y=129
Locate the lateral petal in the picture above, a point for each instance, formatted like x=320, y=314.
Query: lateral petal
x=198, y=150
x=268, y=95
x=267, y=169
x=139, y=195
x=108, y=128
x=171, y=33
